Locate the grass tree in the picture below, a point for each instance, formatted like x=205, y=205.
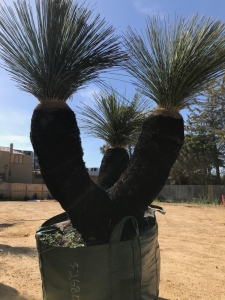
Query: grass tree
x=118, y=122
x=51, y=54
x=171, y=63
x=63, y=50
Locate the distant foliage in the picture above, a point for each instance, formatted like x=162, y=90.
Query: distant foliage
x=202, y=158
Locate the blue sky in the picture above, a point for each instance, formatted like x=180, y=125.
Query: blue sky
x=16, y=107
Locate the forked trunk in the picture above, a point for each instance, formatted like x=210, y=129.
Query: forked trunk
x=56, y=140
x=113, y=164
x=155, y=153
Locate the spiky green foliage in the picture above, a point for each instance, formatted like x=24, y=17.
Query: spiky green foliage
x=173, y=61
x=59, y=51
x=113, y=118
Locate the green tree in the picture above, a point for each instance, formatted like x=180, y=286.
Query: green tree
x=213, y=116
x=207, y=121
x=194, y=163
x=118, y=122
x=203, y=153
x=51, y=56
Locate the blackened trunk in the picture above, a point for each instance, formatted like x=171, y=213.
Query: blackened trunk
x=218, y=178
x=155, y=153
x=217, y=162
x=56, y=140
x=113, y=164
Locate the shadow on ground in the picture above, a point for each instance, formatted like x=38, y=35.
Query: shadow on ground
x=160, y=298
x=5, y=225
x=6, y=249
x=7, y=292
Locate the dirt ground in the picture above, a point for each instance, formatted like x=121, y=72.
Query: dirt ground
x=192, y=244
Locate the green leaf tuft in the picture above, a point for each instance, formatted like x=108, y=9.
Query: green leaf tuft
x=114, y=119
x=58, y=52
x=172, y=62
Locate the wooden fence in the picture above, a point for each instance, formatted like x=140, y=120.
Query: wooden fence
x=170, y=192
x=23, y=191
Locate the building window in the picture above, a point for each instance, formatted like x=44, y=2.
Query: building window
x=16, y=158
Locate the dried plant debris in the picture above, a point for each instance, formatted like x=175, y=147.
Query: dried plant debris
x=66, y=236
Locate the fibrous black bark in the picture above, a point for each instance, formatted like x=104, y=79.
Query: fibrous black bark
x=56, y=140
x=93, y=212
x=113, y=164
x=155, y=153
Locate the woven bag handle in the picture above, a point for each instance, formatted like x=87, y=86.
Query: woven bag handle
x=114, y=259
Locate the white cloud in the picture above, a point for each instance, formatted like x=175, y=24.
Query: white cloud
x=17, y=118
x=16, y=138
x=14, y=126
x=146, y=8
x=88, y=93
x=84, y=96
x=20, y=142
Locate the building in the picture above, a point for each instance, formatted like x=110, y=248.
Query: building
x=93, y=173
x=15, y=165
x=21, y=166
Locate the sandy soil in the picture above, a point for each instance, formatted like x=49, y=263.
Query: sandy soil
x=192, y=242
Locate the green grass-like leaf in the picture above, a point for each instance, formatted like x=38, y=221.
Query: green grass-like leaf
x=114, y=119
x=58, y=52
x=172, y=62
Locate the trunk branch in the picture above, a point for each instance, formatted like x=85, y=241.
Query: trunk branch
x=155, y=153
x=56, y=140
x=113, y=164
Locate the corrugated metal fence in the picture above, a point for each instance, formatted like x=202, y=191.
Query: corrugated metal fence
x=191, y=192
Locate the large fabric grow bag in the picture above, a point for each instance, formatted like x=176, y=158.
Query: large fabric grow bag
x=120, y=270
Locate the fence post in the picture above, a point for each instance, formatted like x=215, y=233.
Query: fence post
x=210, y=192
